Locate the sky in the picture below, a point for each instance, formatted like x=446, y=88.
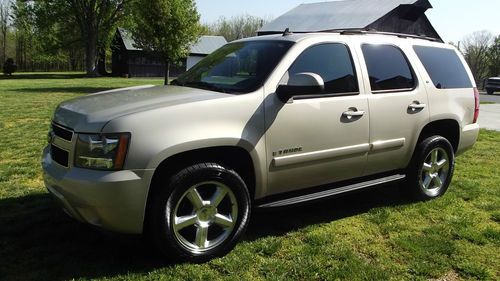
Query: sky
x=453, y=19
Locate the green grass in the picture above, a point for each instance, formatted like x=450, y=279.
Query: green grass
x=373, y=235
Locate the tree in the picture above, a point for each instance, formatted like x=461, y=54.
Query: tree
x=166, y=27
x=4, y=25
x=237, y=27
x=494, y=58
x=9, y=67
x=94, y=20
x=475, y=49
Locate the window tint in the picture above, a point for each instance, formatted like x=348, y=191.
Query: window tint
x=444, y=67
x=388, y=68
x=333, y=63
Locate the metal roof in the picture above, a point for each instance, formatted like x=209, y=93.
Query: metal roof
x=347, y=14
x=205, y=45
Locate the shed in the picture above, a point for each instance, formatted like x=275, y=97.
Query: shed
x=395, y=16
x=128, y=59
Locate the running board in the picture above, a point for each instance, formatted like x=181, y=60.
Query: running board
x=331, y=192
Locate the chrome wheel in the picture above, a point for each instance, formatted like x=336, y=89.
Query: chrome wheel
x=435, y=170
x=204, y=216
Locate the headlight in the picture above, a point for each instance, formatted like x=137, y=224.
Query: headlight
x=102, y=152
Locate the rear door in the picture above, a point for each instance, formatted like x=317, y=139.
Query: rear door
x=398, y=104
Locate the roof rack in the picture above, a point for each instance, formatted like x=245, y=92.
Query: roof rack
x=372, y=31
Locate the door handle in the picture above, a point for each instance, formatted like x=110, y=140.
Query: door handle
x=353, y=113
x=415, y=106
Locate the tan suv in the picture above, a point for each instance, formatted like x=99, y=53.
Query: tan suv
x=263, y=122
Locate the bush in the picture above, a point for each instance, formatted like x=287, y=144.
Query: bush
x=9, y=67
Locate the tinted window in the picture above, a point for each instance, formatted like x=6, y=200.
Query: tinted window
x=236, y=67
x=388, y=68
x=333, y=63
x=444, y=67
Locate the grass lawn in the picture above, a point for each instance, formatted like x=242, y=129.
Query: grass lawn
x=373, y=235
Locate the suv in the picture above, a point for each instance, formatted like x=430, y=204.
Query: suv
x=263, y=122
x=492, y=85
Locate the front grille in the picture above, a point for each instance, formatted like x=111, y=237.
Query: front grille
x=60, y=156
x=62, y=132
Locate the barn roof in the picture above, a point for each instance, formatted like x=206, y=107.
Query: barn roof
x=205, y=45
x=335, y=15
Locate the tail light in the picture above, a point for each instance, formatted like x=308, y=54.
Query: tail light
x=476, y=105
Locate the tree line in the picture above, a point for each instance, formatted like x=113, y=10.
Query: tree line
x=481, y=50
x=76, y=35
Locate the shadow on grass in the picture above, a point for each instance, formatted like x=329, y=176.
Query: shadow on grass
x=39, y=242
x=276, y=222
x=42, y=75
x=72, y=90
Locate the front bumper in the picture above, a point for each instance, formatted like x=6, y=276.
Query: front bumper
x=468, y=138
x=112, y=200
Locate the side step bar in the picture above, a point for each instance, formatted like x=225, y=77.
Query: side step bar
x=331, y=192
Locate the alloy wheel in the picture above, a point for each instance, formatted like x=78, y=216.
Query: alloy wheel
x=204, y=216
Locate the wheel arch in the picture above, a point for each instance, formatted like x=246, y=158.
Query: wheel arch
x=447, y=128
x=234, y=157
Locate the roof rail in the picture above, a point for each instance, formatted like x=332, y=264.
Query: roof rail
x=372, y=31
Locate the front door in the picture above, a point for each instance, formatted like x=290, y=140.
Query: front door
x=314, y=140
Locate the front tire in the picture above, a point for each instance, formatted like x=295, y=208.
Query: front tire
x=489, y=92
x=431, y=169
x=200, y=214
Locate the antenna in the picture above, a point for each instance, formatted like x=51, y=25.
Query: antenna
x=287, y=32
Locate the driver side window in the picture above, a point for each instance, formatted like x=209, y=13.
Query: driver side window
x=333, y=62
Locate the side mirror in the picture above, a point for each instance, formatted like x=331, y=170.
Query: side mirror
x=305, y=83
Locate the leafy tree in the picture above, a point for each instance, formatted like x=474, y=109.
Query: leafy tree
x=94, y=20
x=494, y=57
x=166, y=27
x=475, y=49
x=237, y=27
x=9, y=67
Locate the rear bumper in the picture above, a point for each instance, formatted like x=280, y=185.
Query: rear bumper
x=468, y=138
x=114, y=200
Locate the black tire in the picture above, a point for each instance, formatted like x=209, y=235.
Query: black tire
x=489, y=92
x=425, y=182
x=176, y=196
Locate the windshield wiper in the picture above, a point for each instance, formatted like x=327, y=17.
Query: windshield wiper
x=204, y=85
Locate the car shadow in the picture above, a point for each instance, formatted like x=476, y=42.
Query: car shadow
x=277, y=222
x=71, y=90
x=39, y=242
x=41, y=75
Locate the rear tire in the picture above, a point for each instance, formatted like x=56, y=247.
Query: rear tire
x=431, y=169
x=200, y=213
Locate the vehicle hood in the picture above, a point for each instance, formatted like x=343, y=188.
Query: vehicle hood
x=90, y=113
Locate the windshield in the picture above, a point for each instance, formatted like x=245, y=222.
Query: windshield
x=239, y=67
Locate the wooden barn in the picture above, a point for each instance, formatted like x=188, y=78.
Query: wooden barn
x=395, y=16
x=129, y=60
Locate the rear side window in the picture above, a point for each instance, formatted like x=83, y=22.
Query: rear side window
x=444, y=67
x=388, y=68
x=333, y=62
